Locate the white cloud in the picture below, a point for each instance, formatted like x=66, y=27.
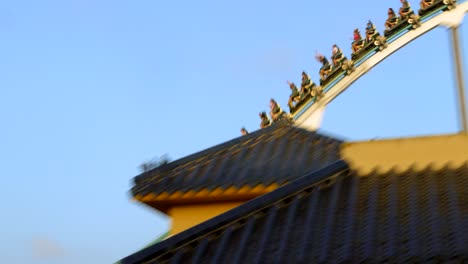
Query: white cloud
x=45, y=248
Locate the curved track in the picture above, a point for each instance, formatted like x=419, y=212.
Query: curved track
x=310, y=116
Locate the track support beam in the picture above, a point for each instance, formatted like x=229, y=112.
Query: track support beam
x=460, y=80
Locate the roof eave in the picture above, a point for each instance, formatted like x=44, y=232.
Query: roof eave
x=163, y=201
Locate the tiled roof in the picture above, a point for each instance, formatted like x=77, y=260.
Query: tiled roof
x=271, y=156
x=336, y=216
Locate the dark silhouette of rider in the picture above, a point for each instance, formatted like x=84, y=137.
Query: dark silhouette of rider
x=265, y=120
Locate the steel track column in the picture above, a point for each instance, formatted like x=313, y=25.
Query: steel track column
x=458, y=59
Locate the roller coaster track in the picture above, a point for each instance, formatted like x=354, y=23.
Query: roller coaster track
x=310, y=116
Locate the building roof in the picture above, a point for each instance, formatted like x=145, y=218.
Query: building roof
x=336, y=215
x=253, y=164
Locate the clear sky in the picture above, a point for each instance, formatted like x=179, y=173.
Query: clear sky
x=89, y=89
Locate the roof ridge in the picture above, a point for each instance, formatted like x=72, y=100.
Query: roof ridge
x=225, y=145
x=247, y=208
x=204, y=152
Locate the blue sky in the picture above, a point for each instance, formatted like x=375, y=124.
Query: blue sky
x=91, y=89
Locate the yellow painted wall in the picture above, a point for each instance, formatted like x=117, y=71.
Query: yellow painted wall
x=402, y=153
x=186, y=216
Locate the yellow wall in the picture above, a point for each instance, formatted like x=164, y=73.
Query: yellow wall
x=186, y=216
x=402, y=153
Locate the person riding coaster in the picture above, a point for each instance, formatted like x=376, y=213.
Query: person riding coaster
x=337, y=56
x=265, y=120
x=275, y=110
x=392, y=19
x=244, y=131
x=426, y=4
x=358, y=42
x=306, y=85
x=405, y=10
x=294, y=97
x=372, y=39
x=326, y=68
x=371, y=32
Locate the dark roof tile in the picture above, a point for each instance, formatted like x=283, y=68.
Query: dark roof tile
x=277, y=154
x=336, y=216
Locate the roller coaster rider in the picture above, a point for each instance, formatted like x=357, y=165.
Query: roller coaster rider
x=392, y=19
x=370, y=31
x=358, y=42
x=326, y=67
x=405, y=10
x=295, y=96
x=337, y=55
x=306, y=85
x=265, y=120
x=275, y=110
x=426, y=3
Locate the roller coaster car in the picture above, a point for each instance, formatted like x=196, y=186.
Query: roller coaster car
x=283, y=115
x=375, y=40
x=342, y=65
x=356, y=55
x=338, y=59
x=341, y=62
x=316, y=93
x=430, y=5
x=357, y=45
x=301, y=102
x=410, y=18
